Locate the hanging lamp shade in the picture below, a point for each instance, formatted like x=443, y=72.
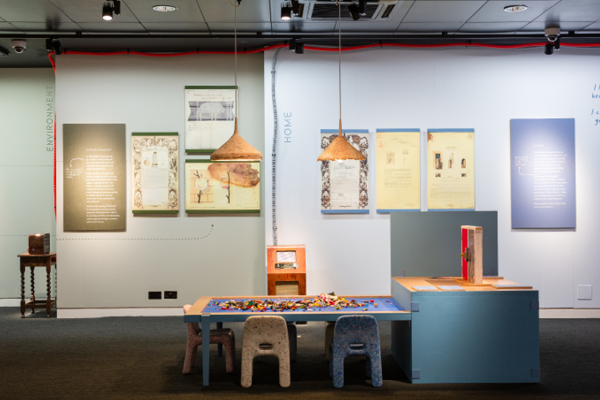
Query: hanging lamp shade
x=339, y=149
x=236, y=148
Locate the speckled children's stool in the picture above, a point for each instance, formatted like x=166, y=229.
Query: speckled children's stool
x=266, y=336
x=217, y=336
x=356, y=335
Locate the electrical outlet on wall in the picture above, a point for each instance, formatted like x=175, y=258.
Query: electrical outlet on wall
x=170, y=294
x=584, y=292
x=154, y=295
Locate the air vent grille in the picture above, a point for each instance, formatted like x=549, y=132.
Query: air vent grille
x=330, y=11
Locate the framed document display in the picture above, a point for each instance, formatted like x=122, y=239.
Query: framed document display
x=398, y=170
x=542, y=168
x=155, y=173
x=451, y=169
x=222, y=187
x=345, y=184
x=209, y=117
x=94, y=173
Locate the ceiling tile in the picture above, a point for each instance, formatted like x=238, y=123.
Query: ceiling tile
x=6, y=27
x=368, y=26
x=493, y=11
x=492, y=27
x=39, y=27
x=188, y=11
x=31, y=11
x=571, y=10
x=423, y=27
x=91, y=11
x=442, y=11
x=564, y=26
x=303, y=26
x=222, y=11
x=107, y=27
x=182, y=27
x=595, y=27
x=241, y=27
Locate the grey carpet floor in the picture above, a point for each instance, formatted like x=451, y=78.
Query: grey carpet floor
x=142, y=358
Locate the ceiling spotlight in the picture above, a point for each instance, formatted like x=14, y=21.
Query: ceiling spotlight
x=296, y=46
x=55, y=46
x=286, y=13
x=516, y=8
x=548, y=48
x=110, y=8
x=165, y=8
x=107, y=12
x=353, y=8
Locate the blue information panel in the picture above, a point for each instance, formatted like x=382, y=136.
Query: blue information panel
x=543, y=173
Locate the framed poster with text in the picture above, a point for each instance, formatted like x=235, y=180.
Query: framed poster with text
x=155, y=173
x=451, y=169
x=345, y=184
x=398, y=170
x=542, y=169
x=222, y=187
x=94, y=177
x=209, y=117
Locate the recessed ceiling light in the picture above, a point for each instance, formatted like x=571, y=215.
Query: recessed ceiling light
x=515, y=9
x=165, y=8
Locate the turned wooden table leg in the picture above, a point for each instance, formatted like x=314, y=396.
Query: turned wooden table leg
x=48, y=289
x=22, y=290
x=32, y=290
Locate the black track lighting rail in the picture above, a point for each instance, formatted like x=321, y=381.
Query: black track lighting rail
x=296, y=35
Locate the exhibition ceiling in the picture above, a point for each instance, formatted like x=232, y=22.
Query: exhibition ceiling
x=208, y=24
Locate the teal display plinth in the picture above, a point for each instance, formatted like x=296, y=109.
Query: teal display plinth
x=467, y=337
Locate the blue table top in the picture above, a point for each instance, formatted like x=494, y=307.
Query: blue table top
x=387, y=309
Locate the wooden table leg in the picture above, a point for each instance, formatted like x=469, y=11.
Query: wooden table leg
x=22, y=290
x=32, y=290
x=48, y=288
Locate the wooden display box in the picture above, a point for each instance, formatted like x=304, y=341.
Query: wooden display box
x=286, y=270
x=472, y=254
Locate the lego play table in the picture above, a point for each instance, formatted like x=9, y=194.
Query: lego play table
x=204, y=311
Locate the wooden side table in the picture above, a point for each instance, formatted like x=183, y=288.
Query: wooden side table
x=32, y=261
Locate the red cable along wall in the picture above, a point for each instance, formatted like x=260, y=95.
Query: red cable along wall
x=310, y=48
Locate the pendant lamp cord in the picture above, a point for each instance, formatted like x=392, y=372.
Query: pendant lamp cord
x=340, y=61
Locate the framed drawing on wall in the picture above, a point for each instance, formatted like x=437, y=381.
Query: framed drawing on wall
x=209, y=117
x=398, y=162
x=222, y=187
x=345, y=184
x=450, y=169
x=155, y=173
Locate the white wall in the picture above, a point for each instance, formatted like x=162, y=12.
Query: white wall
x=117, y=269
x=26, y=178
x=441, y=88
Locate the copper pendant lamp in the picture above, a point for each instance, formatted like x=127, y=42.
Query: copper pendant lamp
x=339, y=149
x=236, y=148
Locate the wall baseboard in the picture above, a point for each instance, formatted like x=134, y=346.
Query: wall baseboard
x=566, y=313
x=118, y=312
x=10, y=302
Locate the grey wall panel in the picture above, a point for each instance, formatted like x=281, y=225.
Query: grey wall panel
x=218, y=255
x=428, y=243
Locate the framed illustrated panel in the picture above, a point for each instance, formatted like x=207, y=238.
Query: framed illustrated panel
x=222, y=187
x=345, y=184
x=398, y=170
x=542, y=169
x=155, y=173
x=451, y=169
x=209, y=117
x=94, y=177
